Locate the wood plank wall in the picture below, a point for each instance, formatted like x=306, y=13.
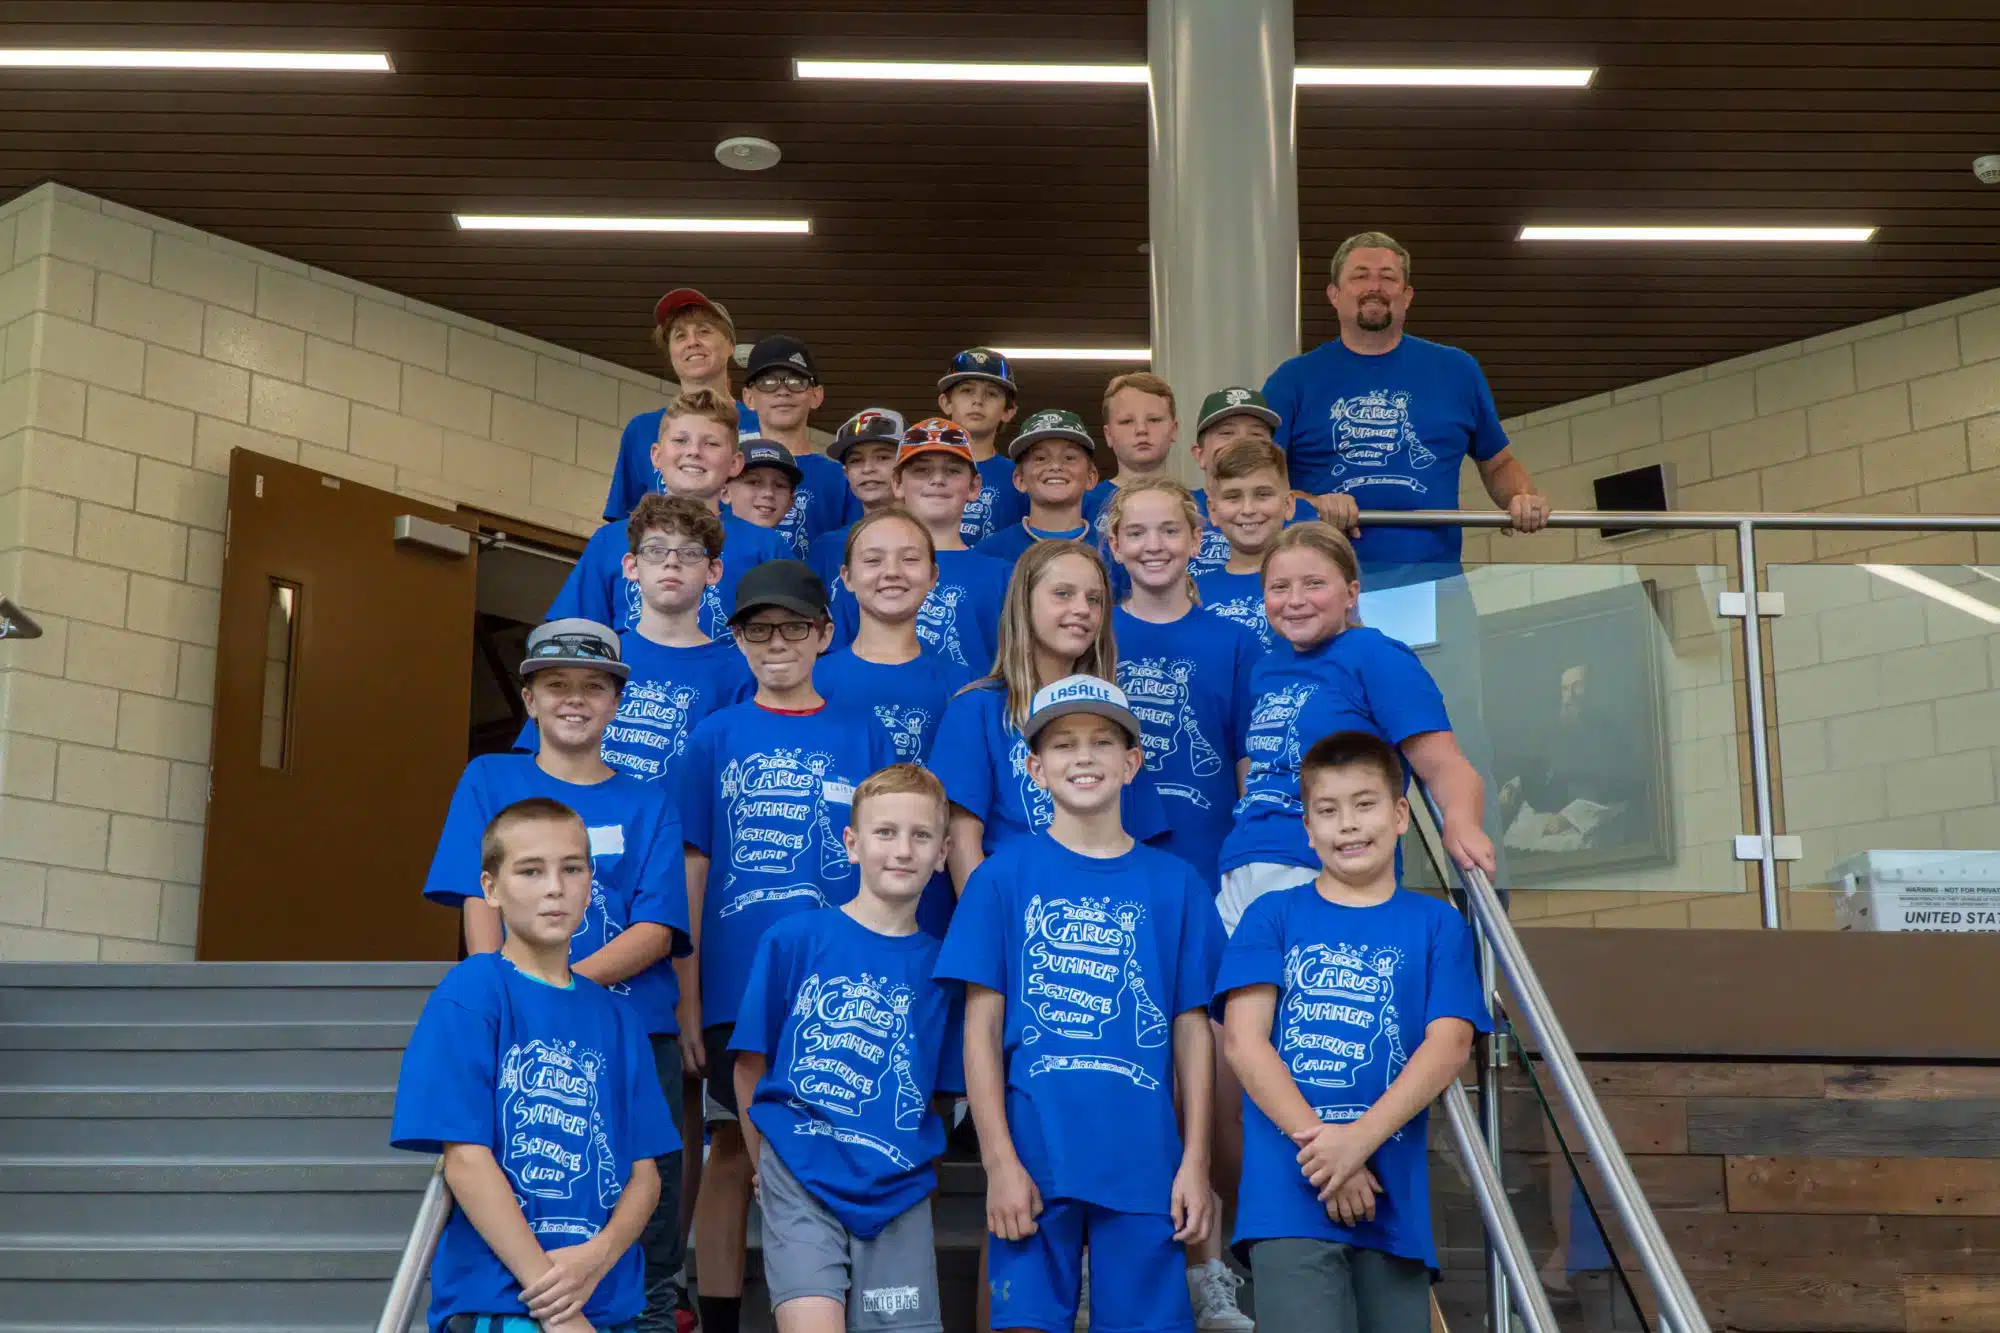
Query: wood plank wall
x=1800, y=1197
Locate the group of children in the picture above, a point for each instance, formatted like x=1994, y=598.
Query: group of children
x=868, y=780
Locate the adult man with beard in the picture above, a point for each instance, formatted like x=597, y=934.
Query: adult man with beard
x=1379, y=419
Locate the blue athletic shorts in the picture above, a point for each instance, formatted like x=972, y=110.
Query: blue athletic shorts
x=1138, y=1272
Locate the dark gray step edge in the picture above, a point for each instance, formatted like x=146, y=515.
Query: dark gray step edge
x=217, y=1259
x=205, y=1036
x=209, y=975
x=32, y=1175
x=74, y=1103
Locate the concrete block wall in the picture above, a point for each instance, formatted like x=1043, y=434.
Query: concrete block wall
x=135, y=353
x=1881, y=692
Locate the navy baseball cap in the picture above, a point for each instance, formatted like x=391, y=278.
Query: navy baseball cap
x=979, y=363
x=759, y=451
x=780, y=351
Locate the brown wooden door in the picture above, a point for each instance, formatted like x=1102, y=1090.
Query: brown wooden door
x=342, y=694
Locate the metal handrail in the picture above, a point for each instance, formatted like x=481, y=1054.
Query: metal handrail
x=1668, y=520
x=1501, y=1225
x=415, y=1263
x=1680, y=1312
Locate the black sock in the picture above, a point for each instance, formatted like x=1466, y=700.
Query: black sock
x=721, y=1314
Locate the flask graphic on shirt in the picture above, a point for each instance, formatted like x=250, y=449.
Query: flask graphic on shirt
x=937, y=623
x=552, y=1133
x=1161, y=693
x=1038, y=808
x=1079, y=961
x=599, y=927
x=1337, y=1025
x=850, y=1046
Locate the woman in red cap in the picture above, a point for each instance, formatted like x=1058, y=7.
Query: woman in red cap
x=699, y=340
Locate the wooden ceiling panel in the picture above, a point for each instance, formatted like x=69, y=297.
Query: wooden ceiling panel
x=946, y=216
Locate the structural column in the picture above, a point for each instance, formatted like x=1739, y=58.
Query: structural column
x=1224, y=192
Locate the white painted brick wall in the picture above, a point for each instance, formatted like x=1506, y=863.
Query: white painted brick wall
x=135, y=354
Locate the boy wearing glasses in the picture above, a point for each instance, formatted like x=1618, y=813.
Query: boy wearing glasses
x=696, y=455
x=783, y=388
x=766, y=789
x=979, y=393
x=637, y=914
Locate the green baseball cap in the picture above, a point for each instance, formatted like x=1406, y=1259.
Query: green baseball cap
x=1056, y=424
x=1235, y=401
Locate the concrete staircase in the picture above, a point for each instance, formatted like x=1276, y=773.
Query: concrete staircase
x=202, y=1146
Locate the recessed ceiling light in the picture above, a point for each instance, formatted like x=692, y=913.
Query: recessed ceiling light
x=744, y=226
x=364, y=62
x=1696, y=234
x=1076, y=353
x=1306, y=76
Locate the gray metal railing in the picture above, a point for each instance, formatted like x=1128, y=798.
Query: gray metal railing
x=1503, y=1230
x=401, y=1305
x=1764, y=840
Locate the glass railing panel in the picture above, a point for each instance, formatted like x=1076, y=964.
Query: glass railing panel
x=1888, y=744
x=1603, y=705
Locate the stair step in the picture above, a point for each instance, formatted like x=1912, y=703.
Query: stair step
x=215, y=976
x=190, y=1137
x=21, y=1174
x=230, y=1258
x=348, y=1304
x=268, y=1103
x=299, y=1214
x=324, y=1067
x=214, y=992
x=225, y=1035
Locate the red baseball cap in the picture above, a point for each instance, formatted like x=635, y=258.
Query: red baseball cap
x=687, y=298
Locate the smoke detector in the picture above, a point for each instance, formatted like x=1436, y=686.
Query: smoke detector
x=744, y=153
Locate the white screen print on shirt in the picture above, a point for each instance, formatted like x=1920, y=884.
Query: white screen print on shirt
x=1158, y=690
x=1038, y=808
x=852, y=1046
x=778, y=818
x=975, y=525
x=652, y=718
x=1083, y=983
x=554, y=1146
x=1274, y=749
x=1372, y=434
x=937, y=623
x=713, y=619
x=1337, y=1024
x=907, y=725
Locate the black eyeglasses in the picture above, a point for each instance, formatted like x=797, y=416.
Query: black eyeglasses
x=781, y=381
x=760, y=631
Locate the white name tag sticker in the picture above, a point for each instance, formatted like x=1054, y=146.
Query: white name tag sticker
x=839, y=792
x=607, y=840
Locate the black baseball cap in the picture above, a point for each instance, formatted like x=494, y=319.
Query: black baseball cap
x=760, y=451
x=871, y=425
x=780, y=351
x=787, y=584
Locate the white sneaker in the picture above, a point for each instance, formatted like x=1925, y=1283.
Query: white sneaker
x=1212, y=1288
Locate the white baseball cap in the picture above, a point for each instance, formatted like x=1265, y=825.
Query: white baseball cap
x=1080, y=694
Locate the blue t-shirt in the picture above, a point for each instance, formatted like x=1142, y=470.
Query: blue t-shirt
x=821, y=503
x=634, y=475
x=1010, y=543
x=1239, y=599
x=828, y=553
x=597, y=588
x=670, y=690
x=859, y=1036
x=960, y=618
x=560, y=1085
x=983, y=763
x=766, y=796
x=1357, y=987
x=998, y=503
x=906, y=702
x=1214, y=552
x=1359, y=680
x=1393, y=431
x=638, y=870
x=1096, y=957
x=1187, y=682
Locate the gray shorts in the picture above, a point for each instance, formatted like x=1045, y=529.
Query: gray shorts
x=807, y=1252
x=1326, y=1286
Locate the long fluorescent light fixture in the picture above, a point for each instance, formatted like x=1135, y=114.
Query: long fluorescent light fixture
x=1679, y=235
x=354, y=62
x=1306, y=76
x=1905, y=577
x=680, y=226
x=1076, y=353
